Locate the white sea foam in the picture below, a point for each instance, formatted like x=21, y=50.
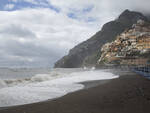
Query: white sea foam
x=42, y=87
x=2, y=83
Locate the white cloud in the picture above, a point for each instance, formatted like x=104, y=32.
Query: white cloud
x=31, y=1
x=14, y=0
x=16, y=31
x=103, y=10
x=39, y=34
x=9, y=6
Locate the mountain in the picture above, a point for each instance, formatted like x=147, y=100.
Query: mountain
x=88, y=52
x=132, y=47
x=148, y=17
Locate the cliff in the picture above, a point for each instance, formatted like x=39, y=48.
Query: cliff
x=87, y=53
x=132, y=47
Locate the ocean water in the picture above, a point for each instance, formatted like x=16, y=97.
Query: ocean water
x=24, y=86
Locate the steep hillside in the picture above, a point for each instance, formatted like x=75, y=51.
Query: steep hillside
x=88, y=52
x=132, y=47
x=148, y=16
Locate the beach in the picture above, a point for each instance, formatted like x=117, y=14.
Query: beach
x=126, y=94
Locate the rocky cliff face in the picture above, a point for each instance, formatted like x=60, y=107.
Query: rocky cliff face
x=88, y=52
x=132, y=47
x=148, y=16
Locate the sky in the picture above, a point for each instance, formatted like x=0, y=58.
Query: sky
x=36, y=33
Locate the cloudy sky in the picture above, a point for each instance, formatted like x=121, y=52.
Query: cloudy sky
x=39, y=32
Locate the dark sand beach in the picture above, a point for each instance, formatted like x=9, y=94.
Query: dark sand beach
x=126, y=94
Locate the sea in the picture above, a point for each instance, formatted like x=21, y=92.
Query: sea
x=19, y=86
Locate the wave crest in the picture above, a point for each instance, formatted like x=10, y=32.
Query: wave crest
x=2, y=83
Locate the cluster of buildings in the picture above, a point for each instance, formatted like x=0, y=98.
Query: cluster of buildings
x=131, y=47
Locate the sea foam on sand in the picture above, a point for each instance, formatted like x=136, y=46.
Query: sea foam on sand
x=42, y=87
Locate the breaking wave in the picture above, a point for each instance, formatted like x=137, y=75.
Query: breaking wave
x=2, y=83
x=36, y=78
x=42, y=87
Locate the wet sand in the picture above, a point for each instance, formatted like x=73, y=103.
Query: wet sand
x=126, y=94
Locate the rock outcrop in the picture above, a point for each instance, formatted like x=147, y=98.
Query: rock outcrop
x=88, y=52
x=132, y=47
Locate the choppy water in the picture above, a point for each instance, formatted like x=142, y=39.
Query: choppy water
x=24, y=86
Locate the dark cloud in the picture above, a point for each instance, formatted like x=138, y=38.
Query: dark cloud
x=28, y=54
x=39, y=37
x=17, y=31
x=120, y=5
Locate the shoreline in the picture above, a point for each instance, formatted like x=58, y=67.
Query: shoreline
x=126, y=94
x=87, y=85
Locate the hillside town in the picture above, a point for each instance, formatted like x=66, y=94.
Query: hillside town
x=132, y=47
